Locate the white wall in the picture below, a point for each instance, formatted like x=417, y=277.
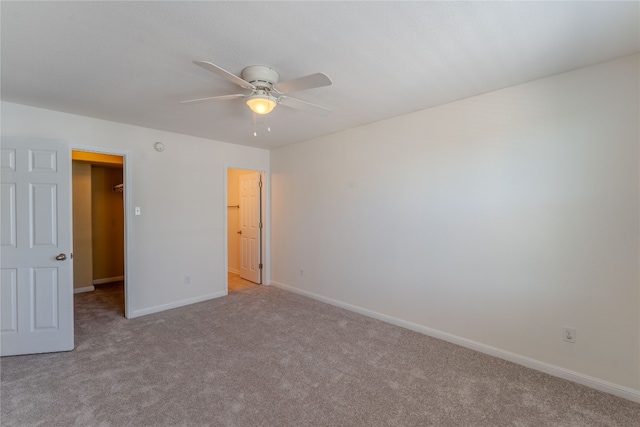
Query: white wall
x=233, y=219
x=181, y=194
x=107, y=225
x=82, y=238
x=493, y=221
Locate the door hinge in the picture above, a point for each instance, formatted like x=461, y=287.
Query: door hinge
x=260, y=266
x=260, y=184
x=259, y=225
x=71, y=254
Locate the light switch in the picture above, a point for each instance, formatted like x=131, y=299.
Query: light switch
x=137, y=210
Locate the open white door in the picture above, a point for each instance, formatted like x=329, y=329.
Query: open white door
x=36, y=288
x=250, y=185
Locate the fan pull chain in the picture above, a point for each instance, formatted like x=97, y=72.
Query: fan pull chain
x=266, y=121
x=255, y=133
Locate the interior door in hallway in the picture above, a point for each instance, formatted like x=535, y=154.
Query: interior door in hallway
x=36, y=288
x=250, y=226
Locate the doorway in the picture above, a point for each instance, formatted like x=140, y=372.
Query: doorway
x=244, y=229
x=99, y=227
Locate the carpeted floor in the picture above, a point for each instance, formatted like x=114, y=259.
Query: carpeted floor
x=266, y=357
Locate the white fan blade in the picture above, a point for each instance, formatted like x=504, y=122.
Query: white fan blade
x=301, y=83
x=214, y=98
x=308, y=107
x=224, y=73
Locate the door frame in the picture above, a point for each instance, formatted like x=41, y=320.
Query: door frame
x=128, y=211
x=266, y=221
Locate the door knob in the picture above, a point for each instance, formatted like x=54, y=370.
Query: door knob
x=61, y=257
x=240, y=232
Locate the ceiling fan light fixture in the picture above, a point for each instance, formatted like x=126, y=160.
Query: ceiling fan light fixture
x=262, y=104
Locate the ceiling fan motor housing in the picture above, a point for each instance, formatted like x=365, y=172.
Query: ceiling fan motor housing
x=260, y=76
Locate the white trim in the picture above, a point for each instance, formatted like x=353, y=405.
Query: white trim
x=128, y=212
x=84, y=289
x=176, y=304
x=107, y=280
x=556, y=371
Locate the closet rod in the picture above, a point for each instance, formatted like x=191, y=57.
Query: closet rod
x=234, y=206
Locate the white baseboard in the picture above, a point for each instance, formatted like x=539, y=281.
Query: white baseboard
x=556, y=371
x=163, y=307
x=108, y=280
x=234, y=271
x=84, y=289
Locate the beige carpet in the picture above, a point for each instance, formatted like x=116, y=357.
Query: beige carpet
x=267, y=357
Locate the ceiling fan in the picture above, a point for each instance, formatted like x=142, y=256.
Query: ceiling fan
x=266, y=91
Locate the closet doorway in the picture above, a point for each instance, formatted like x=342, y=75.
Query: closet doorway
x=99, y=228
x=244, y=228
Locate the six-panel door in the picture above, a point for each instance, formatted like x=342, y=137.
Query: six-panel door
x=36, y=290
x=250, y=226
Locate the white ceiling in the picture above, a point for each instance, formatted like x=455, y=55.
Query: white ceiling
x=131, y=62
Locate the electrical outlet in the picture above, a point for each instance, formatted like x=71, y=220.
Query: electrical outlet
x=569, y=334
x=187, y=280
